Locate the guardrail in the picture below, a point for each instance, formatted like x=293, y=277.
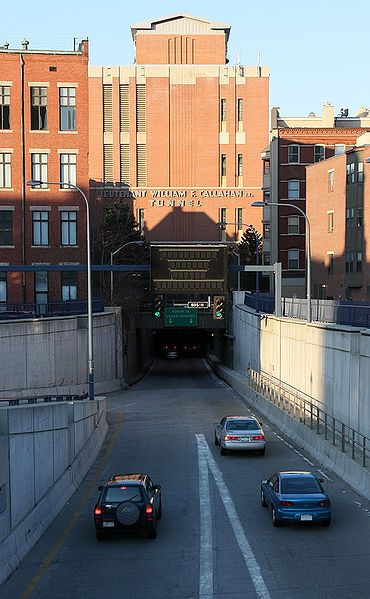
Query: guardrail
x=19, y=401
x=310, y=412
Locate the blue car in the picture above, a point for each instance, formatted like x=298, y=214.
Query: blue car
x=296, y=496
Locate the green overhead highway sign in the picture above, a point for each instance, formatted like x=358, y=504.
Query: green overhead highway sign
x=180, y=317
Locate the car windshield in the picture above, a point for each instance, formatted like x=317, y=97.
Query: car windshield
x=242, y=425
x=123, y=493
x=300, y=485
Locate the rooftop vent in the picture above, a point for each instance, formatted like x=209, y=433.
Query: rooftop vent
x=6, y=46
x=25, y=44
x=312, y=114
x=344, y=112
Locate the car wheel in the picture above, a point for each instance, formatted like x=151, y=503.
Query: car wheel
x=275, y=520
x=327, y=522
x=262, y=451
x=216, y=440
x=223, y=450
x=100, y=536
x=159, y=513
x=152, y=534
x=263, y=499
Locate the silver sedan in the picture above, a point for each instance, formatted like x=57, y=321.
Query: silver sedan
x=241, y=433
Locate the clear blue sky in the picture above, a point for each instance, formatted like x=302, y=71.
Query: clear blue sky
x=317, y=51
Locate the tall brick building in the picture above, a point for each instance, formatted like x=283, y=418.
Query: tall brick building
x=43, y=136
x=179, y=133
x=295, y=143
x=339, y=193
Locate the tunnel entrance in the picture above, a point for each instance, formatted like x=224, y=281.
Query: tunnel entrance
x=183, y=342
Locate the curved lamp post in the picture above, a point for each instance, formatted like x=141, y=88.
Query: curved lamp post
x=34, y=183
x=112, y=254
x=308, y=236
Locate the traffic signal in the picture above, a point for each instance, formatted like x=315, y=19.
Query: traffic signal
x=218, y=307
x=158, y=307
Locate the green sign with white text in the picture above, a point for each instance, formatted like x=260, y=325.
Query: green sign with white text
x=180, y=317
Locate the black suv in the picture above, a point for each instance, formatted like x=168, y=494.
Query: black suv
x=128, y=503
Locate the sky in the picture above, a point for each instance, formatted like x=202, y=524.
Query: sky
x=316, y=51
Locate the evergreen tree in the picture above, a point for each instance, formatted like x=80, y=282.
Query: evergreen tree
x=247, y=247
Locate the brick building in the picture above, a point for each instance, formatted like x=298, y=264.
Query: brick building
x=296, y=143
x=338, y=194
x=43, y=136
x=179, y=134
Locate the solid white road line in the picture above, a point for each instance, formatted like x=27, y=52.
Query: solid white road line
x=206, y=550
x=245, y=548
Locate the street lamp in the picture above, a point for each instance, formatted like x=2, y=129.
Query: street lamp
x=34, y=183
x=112, y=254
x=223, y=223
x=308, y=236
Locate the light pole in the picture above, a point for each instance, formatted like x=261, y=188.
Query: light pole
x=308, y=236
x=249, y=227
x=112, y=254
x=90, y=350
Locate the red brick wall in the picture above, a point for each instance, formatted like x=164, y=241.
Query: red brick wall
x=180, y=49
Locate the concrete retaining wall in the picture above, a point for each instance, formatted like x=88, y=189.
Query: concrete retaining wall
x=49, y=355
x=45, y=452
x=329, y=362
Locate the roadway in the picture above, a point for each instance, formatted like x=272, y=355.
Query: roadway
x=215, y=541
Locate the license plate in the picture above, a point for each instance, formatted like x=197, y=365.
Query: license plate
x=244, y=439
x=306, y=517
x=108, y=524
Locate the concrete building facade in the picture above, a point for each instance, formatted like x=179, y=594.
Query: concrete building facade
x=179, y=134
x=295, y=144
x=337, y=209
x=43, y=136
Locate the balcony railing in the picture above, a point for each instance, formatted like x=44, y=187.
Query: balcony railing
x=50, y=309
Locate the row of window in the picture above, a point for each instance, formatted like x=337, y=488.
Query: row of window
x=39, y=169
x=41, y=282
x=40, y=228
x=239, y=110
x=353, y=174
x=294, y=151
x=39, y=108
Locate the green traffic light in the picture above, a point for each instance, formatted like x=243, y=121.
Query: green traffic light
x=218, y=314
x=157, y=314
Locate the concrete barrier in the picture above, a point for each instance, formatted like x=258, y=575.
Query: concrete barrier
x=45, y=452
x=325, y=453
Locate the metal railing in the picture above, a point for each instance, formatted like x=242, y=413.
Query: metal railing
x=311, y=413
x=70, y=308
x=34, y=399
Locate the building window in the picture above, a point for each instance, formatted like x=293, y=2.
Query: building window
x=39, y=169
x=5, y=169
x=339, y=149
x=6, y=227
x=240, y=165
x=41, y=288
x=293, y=189
x=223, y=215
x=349, y=261
x=67, y=104
x=350, y=173
x=141, y=108
x=223, y=170
x=266, y=258
x=68, y=169
x=223, y=111
x=293, y=225
x=330, y=262
x=239, y=218
x=141, y=221
x=360, y=172
x=358, y=261
x=4, y=107
x=330, y=221
x=40, y=227
x=293, y=154
x=39, y=101
x=69, y=286
x=293, y=259
x=240, y=110
x=68, y=225
x=266, y=167
x=3, y=294
x=266, y=230
x=360, y=212
x=330, y=180
x=319, y=153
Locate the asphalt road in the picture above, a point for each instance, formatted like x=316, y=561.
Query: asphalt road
x=215, y=541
